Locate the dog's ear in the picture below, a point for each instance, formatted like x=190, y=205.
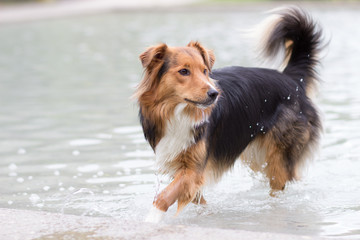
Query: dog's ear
x=208, y=55
x=152, y=60
x=153, y=55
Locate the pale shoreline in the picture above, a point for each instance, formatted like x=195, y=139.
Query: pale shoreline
x=25, y=224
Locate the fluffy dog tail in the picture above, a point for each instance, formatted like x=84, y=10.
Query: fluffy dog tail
x=292, y=36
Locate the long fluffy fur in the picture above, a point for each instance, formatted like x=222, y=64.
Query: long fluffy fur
x=269, y=104
x=296, y=39
x=263, y=115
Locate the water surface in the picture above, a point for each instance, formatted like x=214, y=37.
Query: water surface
x=70, y=141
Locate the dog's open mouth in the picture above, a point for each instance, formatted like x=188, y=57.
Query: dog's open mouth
x=203, y=104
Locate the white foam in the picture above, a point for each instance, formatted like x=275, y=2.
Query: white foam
x=56, y=166
x=84, y=142
x=88, y=168
x=155, y=215
x=127, y=130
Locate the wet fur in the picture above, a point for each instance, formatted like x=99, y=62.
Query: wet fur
x=263, y=115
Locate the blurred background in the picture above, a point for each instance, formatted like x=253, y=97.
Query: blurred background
x=70, y=140
x=22, y=10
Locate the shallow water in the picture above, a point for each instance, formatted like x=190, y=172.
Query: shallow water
x=71, y=142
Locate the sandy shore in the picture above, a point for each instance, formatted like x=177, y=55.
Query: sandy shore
x=23, y=224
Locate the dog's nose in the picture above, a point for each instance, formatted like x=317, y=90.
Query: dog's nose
x=212, y=93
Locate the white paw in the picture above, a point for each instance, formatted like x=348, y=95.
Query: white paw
x=155, y=215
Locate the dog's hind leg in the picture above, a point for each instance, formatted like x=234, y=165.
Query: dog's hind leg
x=288, y=144
x=276, y=168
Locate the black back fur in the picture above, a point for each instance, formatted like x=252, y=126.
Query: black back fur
x=254, y=101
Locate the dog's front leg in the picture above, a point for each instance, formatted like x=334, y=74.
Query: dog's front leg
x=199, y=199
x=183, y=189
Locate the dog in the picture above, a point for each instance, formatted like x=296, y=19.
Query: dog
x=199, y=121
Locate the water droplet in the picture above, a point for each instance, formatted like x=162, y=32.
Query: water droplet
x=250, y=126
x=12, y=166
x=20, y=180
x=265, y=100
x=46, y=188
x=297, y=88
x=21, y=151
x=252, y=135
x=262, y=128
x=288, y=98
x=34, y=198
x=10, y=202
x=40, y=205
x=257, y=124
x=84, y=190
x=300, y=112
x=76, y=153
x=301, y=79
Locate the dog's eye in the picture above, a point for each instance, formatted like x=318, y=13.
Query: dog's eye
x=184, y=72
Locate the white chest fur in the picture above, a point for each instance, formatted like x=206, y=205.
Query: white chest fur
x=177, y=138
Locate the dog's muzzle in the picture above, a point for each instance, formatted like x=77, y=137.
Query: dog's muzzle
x=212, y=96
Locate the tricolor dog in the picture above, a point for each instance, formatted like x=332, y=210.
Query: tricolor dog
x=200, y=120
